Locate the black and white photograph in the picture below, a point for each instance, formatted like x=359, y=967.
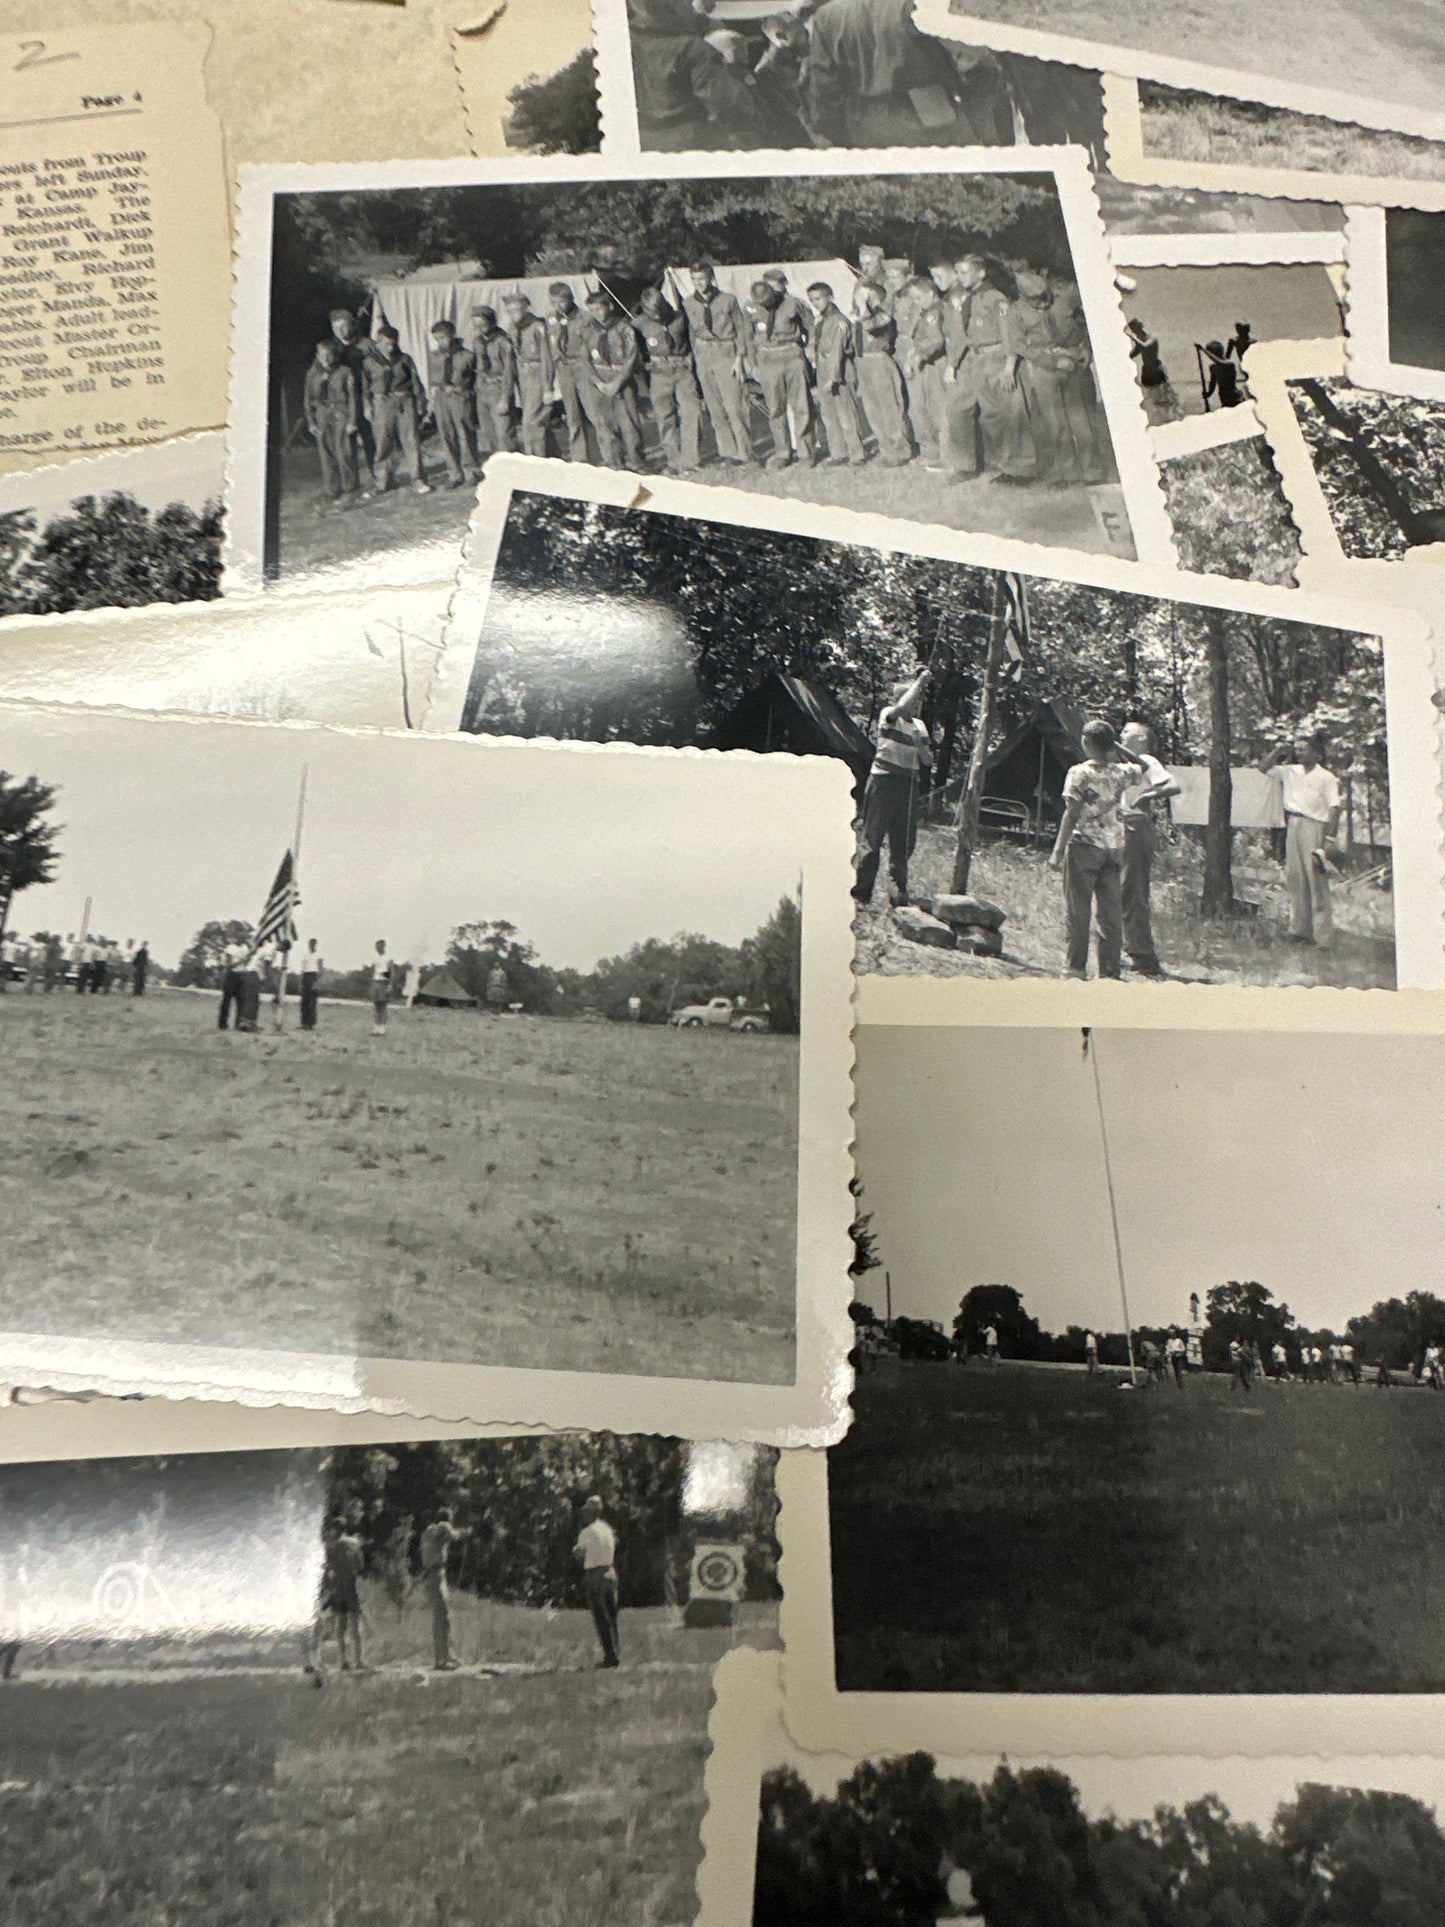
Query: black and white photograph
x=1230, y=512
x=1152, y=1404
x=1396, y=337
x=324, y=1047
x=912, y=1840
x=1190, y=329
x=115, y=531
x=1383, y=66
x=938, y=339
x=1054, y=775
x=372, y=1682
x=1379, y=459
x=1188, y=135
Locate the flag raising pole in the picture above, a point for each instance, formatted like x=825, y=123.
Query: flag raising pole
x=280, y=912
x=1091, y=1052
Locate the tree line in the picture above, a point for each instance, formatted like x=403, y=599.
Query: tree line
x=737, y=604
x=328, y=247
x=879, y=1853
x=517, y=1501
x=764, y=969
x=1394, y=1332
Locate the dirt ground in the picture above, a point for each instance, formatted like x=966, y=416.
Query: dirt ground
x=394, y=1799
x=312, y=536
x=526, y=1192
x=1251, y=950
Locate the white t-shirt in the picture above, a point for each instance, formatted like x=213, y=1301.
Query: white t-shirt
x=1152, y=773
x=990, y=1337
x=311, y=964
x=1309, y=792
x=380, y=975
x=597, y=1544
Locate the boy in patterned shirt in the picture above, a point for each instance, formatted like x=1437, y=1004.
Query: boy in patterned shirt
x=1090, y=849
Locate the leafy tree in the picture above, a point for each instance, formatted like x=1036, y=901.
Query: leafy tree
x=1019, y=1335
x=685, y=969
x=519, y=1497
x=559, y=115
x=1230, y=514
x=865, y=1240
x=1397, y=1330
x=28, y=853
x=1246, y=1311
x=110, y=552
x=773, y=962
x=203, y=961
x=477, y=950
x=921, y=1338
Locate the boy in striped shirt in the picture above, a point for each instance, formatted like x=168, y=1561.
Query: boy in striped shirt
x=903, y=752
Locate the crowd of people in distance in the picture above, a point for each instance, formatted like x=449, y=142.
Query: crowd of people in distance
x=1222, y=380
x=971, y=369
x=340, y=1614
x=835, y=73
x=94, y=965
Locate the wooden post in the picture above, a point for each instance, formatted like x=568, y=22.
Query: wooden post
x=1218, y=893
x=285, y=948
x=968, y=804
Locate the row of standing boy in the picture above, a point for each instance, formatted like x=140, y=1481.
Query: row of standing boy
x=93, y=964
x=949, y=368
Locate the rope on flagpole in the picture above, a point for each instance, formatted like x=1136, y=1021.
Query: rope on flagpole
x=1091, y=1051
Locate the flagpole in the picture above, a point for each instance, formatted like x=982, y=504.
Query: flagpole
x=1091, y=1051
x=295, y=892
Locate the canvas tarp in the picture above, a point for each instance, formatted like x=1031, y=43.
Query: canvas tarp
x=412, y=307
x=1255, y=802
x=441, y=987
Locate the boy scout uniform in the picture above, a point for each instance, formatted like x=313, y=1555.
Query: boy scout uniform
x=986, y=423
x=535, y=376
x=672, y=388
x=496, y=364
x=570, y=337
x=928, y=356
x=332, y=417
x=1046, y=370
x=717, y=331
x=832, y=364
x=880, y=386
x=776, y=358
x=396, y=402
x=612, y=351
x=451, y=377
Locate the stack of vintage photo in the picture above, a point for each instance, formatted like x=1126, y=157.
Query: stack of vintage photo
x=722, y=963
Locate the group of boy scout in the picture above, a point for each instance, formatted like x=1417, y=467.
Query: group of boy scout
x=950, y=368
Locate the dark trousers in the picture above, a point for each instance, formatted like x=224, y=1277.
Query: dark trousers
x=1093, y=888
x=599, y=1588
x=887, y=817
x=138, y=980
x=249, y=1014
x=230, y=998
x=309, y=985
x=1139, y=846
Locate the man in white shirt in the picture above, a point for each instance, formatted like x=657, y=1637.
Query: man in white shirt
x=990, y=1343
x=1091, y=1351
x=1312, y=800
x=596, y=1547
x=311, y=969
x=380, y=988
x=435, y=1548
x=1142, y=799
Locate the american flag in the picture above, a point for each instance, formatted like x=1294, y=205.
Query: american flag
x=1016, y=638
x=278, y=924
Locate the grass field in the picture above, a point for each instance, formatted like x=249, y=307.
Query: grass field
x=525, y=1192
x=1188, y=126
x=1249, y=950
x=396, y=1799
x=1066, y=516
x=1033, y=1531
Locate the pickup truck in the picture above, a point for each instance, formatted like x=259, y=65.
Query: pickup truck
x=718, y=1013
